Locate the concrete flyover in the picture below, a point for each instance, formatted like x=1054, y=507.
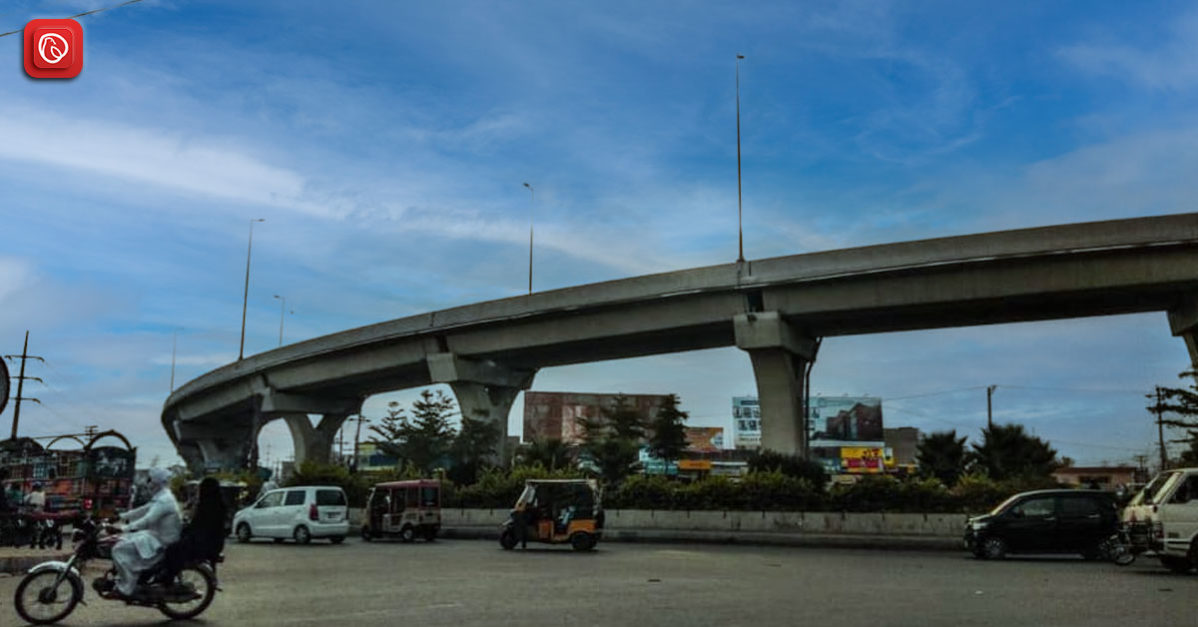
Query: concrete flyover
x=775, y=309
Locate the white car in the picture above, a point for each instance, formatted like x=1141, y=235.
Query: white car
x=300, y=512
x=1176, y=522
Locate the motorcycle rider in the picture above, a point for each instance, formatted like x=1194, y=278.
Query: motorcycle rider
x=151, y=528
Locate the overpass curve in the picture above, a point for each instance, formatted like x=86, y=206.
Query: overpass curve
x=775, y=309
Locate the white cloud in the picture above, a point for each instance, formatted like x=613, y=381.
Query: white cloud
x=1170, y=62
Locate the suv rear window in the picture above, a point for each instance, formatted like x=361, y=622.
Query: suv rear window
x=295, y=497
x=330, y=497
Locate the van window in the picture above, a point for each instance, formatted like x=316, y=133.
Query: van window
x=1040, y=506
x=413, y=495
x=274, y=499
x=1187, y=491
x=295, y=497
x=1078, y=506
x=330, y=497
x=428, y=497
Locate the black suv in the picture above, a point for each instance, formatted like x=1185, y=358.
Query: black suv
x=1044, y=521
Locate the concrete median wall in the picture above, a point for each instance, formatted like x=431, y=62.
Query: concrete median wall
x=943, y=525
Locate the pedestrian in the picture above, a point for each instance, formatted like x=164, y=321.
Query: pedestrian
x=521, y=525
x=36, y=500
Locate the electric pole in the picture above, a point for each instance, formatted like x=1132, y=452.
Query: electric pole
x=989, y=407
x=357, y=437
x=1160, y=428
x=24, y=356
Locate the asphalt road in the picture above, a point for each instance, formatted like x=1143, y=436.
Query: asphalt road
x=474, y=582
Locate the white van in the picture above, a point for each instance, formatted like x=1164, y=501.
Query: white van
x=1175, y=520
x=300, y=512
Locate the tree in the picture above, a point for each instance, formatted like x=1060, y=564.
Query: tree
x=1007, y=452
x=551, y=454
x=1182, y=402
x=613, y=441
x=942, y=455
x=423, y=441
x=390, y=432
x=669, y=433
x=789, y=465
x=472, y=448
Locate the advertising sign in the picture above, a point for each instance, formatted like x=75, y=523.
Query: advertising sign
x=559, y=415
x=746, y=422
x=865, y=459
x=846, y=421
x=704, y=439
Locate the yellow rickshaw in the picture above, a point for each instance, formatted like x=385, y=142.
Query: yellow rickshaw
x=556, y=511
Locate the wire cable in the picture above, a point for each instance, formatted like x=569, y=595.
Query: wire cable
x=85, y=13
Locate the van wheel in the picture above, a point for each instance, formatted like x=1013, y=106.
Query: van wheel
x=243, y=533
x=302, y=535
x=407, y=534
x=582, y=541
x=994, y=548
x=1179, y=565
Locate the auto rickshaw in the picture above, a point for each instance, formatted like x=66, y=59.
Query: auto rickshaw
x=556, y=511
x=403, y=509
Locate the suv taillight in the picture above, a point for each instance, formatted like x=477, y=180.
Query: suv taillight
x=312, y=513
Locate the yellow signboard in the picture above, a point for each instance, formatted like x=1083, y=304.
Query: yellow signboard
x=865, y=459
x=694, y=464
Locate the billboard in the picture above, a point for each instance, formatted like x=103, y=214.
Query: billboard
x=746, y=422
x=559, y=415
x=845, y=420
x=704, y=439
x=865, y=459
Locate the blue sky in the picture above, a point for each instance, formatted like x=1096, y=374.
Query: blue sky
x=385, y=145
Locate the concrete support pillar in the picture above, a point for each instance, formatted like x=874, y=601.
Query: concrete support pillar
x=1183, y=322
x=313, y=443
x=780, y=355
x=484, y=389
x=210, y=446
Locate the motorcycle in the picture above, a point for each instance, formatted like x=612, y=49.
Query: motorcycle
x=51, y=590
x=1117, y=548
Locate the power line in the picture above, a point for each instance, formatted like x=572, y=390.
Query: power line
x=85, y=13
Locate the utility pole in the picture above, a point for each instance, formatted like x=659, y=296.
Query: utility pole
x=1160, y=428
x=989, y=407
x=740, y=237
x=24, y=356
x=357, y=437
x=174, y=346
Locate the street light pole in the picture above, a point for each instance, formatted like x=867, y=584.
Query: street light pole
x=740, y=238
x=282, y=309
x=989, y=414
x=246, y=298
x=531, y=196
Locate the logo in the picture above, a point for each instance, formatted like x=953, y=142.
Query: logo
x=53, y=48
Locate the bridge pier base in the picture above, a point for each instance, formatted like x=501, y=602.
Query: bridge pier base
x=484, y=390
x=1183, y=322
x=209, y=446
x=313, y=443
x=780, y=354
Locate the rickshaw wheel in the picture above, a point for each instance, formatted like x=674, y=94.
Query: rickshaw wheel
x=507, y=540
x=407, y=534
x=582, y=541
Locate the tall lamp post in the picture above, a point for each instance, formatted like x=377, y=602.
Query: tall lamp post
x=246, y=298
x=531, y=196
x=282, y=309
x=740, y=238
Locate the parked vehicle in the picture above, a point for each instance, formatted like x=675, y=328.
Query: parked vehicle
x=1139, y=516
x=300, y=513
x=556, y=511
x=1175, y=522
x=51, y=590
x=403, y=509
x=1045, y=521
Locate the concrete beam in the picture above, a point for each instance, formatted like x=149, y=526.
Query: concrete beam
x=1183, y=323
x=313, y=443
x=275, y=402
x=779, y=354
x=484, y=389
x=767, y=329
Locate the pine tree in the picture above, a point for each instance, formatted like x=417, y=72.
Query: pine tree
x=427, y=440
x=669, y=433
x=471, y=449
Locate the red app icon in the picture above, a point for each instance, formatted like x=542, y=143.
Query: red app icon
x=53, y=48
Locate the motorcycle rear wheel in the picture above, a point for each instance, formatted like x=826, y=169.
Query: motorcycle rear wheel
x=202, y=585
x=37, y=601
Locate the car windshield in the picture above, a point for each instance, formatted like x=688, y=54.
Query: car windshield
x=1147, y=496
x=1002, y=506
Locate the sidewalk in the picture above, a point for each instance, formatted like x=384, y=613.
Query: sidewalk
x=18, y=560
x=763, y=538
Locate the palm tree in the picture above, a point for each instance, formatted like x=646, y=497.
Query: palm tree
x=942, y=455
